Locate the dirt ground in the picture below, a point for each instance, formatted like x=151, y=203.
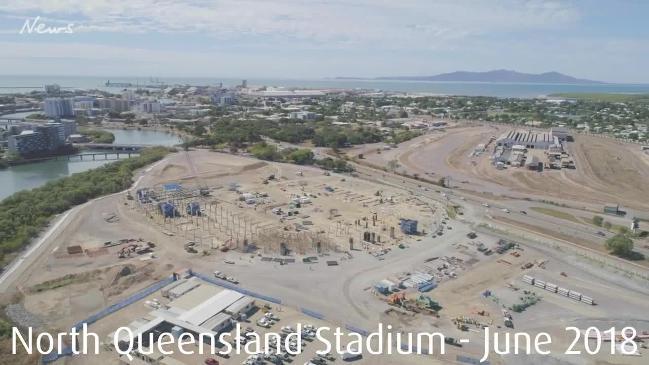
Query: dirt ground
x=336, y=210
x=64, y=288
x=607, y=171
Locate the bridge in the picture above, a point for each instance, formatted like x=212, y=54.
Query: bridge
x=7, y=122
x=112, y=146
x=99, y=156
x=80, y=157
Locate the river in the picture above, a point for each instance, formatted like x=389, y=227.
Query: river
x=33, y=175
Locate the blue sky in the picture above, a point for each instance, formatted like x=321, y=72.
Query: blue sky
x=598, y=39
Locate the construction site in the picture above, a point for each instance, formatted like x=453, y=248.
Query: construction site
x=299, y=212
x=533, y=150
x=205, y=239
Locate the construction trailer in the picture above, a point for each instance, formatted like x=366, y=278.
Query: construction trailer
x=384, y=287
x=612, y=209
x=408, y=226
x=172, y=187
x=168, y=210
x=194, y=208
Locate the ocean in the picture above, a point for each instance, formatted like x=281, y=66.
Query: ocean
x=23, y=84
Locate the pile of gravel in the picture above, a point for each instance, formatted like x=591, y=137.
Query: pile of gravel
x=22, y=317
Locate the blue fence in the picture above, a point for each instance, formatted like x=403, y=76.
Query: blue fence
x=236, y=288
x=126, y=302
x=161, y=284
x=55, y=356
x=357, y=330
x=107, y=311
x=470, y=360
x=313, y=314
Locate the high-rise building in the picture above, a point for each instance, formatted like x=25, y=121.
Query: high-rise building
x=69, y=127
x=84, y=104
x=58, y=107
x=54, y=134
x=113, y=104
x=151, y=107
x=27, y=143
x=45, y=138
x=223, y=98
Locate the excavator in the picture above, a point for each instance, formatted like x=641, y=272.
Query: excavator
x=397, y=299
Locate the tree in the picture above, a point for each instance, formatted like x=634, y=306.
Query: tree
x=265, y=151
x=199, y=130
x=598, y=220
x=608, y=225
x=620, y=245
x=302, y=156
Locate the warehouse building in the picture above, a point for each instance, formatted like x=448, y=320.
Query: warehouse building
x=528, y=139
x=561, y=133
x=195, y=307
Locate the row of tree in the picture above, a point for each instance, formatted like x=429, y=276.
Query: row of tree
x=24, y=214
x=299, y=156
x=98, y=135
x=238, y=133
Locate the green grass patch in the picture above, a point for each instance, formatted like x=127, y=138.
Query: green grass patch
x=97, y=135
x=606, y=97
x=57, y=283
x=606, y=225
x=5, y=327
x=557, y=214
x=451, y=210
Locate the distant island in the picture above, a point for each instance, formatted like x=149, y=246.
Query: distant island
x=507, y=76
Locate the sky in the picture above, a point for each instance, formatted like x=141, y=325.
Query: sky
x=606, y=40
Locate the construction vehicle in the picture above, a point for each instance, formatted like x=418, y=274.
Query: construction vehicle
x=190, y=247
x=137, y=249
x=426, y=302
x=397, y=299
x=526, y=266
x=452, y=341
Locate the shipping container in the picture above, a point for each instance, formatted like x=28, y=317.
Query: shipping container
x=574, y=295
x=587, y=300
x=551, y=287
x=528, y=279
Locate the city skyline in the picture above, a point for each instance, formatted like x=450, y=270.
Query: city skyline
x=602, y=40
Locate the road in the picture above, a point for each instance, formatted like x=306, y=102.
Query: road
x=482, y=210
x=475, y=213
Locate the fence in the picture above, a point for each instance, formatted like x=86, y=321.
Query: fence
x=236, y=288
x=470, y=360
x=313, y=314
x=107, y=311
x=357, y=330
